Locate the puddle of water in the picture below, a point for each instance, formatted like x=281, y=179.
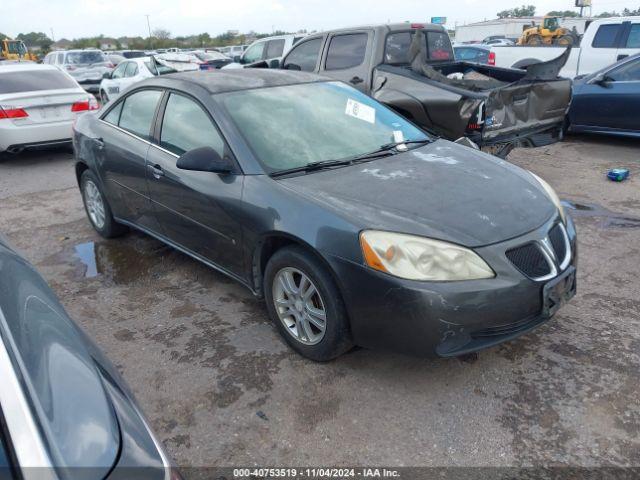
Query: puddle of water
x=120, y=262
x=610, y=219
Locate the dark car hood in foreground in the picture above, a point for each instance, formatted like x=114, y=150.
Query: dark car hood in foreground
x=442, y=191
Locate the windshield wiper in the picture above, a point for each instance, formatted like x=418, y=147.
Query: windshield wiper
x=383, y=151
x=392, y=145
x=313, y=166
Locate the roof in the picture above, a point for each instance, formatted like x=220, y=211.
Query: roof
x=232, y=80
x=26, y=66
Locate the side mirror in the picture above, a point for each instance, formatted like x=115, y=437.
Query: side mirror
x=204, y=159
x=601, y=79
x=237, y=59
x=275, y=63
x=106, y=75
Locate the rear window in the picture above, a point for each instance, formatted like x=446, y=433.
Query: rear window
x=397, y=47
x=85, y=58
x=134, y=54
x=606, y=36
x=34, y=80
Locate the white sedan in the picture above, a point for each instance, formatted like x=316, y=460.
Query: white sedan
x=127, y=73
x=38, y=106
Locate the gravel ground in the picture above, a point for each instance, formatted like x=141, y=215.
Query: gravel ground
x=222, y=389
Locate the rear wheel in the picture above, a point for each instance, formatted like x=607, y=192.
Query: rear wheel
x=97, y=207
x=305, y=304
x=564, y=40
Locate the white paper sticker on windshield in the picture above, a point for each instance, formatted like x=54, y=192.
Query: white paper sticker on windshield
x=361, y=111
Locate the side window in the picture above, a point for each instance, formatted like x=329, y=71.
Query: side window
x=119, y=71
x=346, y=51
x=275, y=48
x=132, y=69
x=629, y=72
x=633, y=41
x=137, y=112
x=186, y=126
x=113, y=117
x=304, y=56
x=606, y=36
x=396, y=49
x=254, y=53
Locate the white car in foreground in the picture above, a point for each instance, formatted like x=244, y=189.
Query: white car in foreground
x=127, y=73
x=38, y=106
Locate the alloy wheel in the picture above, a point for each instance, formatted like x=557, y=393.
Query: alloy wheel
x=299, y=306
x=95, y=204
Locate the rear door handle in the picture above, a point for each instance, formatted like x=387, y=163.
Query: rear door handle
x=356, y=80
x=156, y=170
x=621, y=56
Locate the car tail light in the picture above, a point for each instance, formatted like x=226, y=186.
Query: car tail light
x=85, y=105
x=492, y=58
x=11, y=112
x=417, y=25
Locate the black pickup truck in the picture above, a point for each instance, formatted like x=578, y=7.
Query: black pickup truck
x=412, y=69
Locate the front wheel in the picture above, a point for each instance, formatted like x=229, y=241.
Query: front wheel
x=97, y=207
x=305, y=304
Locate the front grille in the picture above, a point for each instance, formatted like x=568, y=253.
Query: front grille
x=509, y=329
x=530, y=260
x=556, y=237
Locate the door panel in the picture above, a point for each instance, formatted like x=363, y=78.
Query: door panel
x=123, y=157
x=197, y=210
x=347, y=58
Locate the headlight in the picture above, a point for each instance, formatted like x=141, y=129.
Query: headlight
x=553, y=196
x=419, y=258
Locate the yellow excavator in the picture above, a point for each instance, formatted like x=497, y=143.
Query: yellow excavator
x=549, y=33
x=15, y=50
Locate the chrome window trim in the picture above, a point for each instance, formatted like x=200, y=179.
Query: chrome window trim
x=125, y=131
x=24, y=433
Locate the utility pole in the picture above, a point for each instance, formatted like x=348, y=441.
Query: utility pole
x=149, y=27
x=52, y=37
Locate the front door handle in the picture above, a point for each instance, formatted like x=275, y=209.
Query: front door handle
x=99, y=143
x=621, y=56
x=156, y=170
x=356, y=80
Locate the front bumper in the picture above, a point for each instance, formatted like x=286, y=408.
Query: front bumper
x=446, y=318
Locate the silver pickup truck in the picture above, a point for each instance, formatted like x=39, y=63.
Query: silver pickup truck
x=411, y=68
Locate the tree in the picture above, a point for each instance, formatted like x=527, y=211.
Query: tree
x=564, y=13
x=161, y=34
x=518, y=12
x=36, y=39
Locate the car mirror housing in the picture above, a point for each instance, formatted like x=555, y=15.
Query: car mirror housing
x=204, y=159
x=106, y=75
x=600, y=79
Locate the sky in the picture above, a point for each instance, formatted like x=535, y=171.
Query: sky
x=115, y=18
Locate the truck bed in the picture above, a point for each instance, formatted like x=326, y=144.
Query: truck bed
x=494, y=107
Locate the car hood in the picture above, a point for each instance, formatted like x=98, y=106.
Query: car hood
x=443, y=191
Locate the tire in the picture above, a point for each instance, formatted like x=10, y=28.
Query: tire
x=564, y=41
x=534, y=40
x=336, y=337
x=101, y=219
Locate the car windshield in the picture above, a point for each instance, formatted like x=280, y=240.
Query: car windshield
x=296, y=125
x=84, y=58
x=133, y=54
